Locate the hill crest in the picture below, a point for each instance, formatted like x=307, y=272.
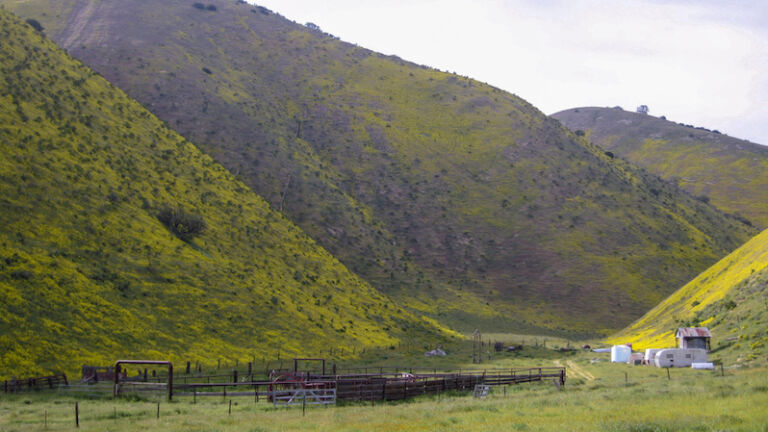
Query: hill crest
x=730, y=172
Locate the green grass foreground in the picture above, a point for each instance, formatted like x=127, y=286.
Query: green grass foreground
x=597, y=396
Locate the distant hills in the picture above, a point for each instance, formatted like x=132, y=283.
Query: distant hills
x=730, y=172
x=461, y=201
x=730, y=298
x=119, y=238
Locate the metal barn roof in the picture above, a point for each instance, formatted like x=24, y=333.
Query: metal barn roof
x=693, y=332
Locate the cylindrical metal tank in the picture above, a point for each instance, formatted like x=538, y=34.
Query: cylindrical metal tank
x=620, y=353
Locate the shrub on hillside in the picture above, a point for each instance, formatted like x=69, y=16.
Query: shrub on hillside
x=35, y=24
x=181, y=223
x=201, y=6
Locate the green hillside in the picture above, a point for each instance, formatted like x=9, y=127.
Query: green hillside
x=462, y=201
x=89, y=273
x=731, y=298
x=733, y=173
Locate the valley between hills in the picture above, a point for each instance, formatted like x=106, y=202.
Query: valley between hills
x=225, y=183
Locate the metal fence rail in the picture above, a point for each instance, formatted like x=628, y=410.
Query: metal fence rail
x=304, y=396
x=100, y=389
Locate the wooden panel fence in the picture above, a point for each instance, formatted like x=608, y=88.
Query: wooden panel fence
x=35, y=384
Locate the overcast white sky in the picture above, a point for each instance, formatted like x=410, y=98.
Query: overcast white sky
x=701, y=62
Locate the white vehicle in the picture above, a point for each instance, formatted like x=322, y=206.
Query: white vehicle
x=650, y=355
x=679, y=357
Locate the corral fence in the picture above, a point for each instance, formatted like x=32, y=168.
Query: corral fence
x=290, y=386
x=35, y=384
x=369, y=387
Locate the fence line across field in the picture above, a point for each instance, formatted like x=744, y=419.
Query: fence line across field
x=374, y=383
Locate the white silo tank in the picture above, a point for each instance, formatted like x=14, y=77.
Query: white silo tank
x=620, y=353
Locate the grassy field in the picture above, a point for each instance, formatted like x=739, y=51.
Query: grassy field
x=597, y=396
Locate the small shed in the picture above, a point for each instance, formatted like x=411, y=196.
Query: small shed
x=693, y=337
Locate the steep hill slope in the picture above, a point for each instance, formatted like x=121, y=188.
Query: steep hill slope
x=733, y=173
x=731, y=298
x=88, y=273
x=461, y=200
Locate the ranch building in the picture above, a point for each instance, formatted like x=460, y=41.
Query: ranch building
x=693, y=337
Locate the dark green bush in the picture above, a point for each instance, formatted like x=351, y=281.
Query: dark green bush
x=35, y=24
x=181, y=223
